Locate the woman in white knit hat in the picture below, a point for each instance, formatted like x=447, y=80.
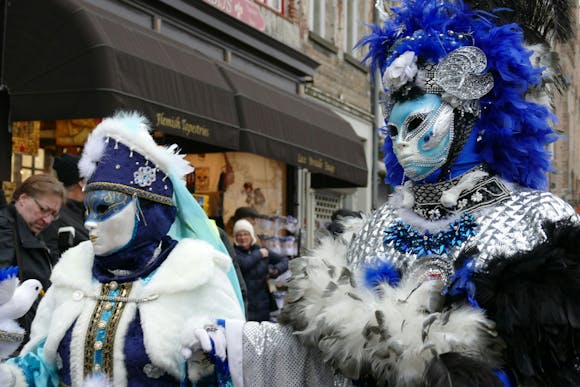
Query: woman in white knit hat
x=258, y=264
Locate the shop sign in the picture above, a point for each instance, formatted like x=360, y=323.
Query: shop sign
x=182, y=124
x=244, y=10
x=8, y=187
x=316, y=162
x=74, y=133
x=204, y=202
x=26, y=137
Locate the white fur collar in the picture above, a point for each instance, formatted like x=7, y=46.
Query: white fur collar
x=74, y=269
x=185, y=270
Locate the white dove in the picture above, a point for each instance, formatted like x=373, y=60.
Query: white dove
x=15, y=301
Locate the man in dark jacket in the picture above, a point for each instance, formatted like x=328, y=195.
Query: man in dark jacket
x=69, y=229
x=35, y=204
x=2, y=198
x=258, y=264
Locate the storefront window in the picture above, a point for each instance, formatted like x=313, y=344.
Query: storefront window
x=27, y=156
x=226, y=181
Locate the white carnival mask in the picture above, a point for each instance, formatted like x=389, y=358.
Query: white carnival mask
x=112, y=220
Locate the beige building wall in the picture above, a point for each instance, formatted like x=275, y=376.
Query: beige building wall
x=340, y=82
x=566, y=181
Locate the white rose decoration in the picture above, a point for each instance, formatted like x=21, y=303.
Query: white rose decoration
x=402, y=70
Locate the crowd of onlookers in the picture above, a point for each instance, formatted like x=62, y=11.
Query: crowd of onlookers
x=45, y=217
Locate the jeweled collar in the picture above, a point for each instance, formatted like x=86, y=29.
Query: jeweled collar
x=431, y=201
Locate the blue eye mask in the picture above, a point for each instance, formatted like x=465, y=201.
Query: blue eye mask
x=102, y=204
x=422, y=132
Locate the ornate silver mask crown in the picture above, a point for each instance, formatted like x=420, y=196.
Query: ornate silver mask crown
x=459, y=77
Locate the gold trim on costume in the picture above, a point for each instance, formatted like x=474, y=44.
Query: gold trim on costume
x=112, y=330
x=107, y=345
x=130, y=191
x=11, y=337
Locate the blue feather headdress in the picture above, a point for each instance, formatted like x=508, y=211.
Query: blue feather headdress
x=512, y=131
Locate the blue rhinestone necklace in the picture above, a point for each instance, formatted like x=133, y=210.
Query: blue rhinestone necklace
x=406, y=239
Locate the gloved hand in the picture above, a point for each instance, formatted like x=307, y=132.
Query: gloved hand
x=210, y=339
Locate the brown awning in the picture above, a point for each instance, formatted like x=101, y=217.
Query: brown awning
x=69, y=59
x=298, y=131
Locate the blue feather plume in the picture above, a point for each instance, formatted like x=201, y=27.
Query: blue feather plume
x=460, y=283
x=8, y=272
x=514, y=132
x=385, y=272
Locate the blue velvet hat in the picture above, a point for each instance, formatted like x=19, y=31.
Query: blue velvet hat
x=120, y=155
x=124, y=169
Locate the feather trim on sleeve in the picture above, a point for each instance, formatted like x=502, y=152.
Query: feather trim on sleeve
x=387, y=332
x=534, y=297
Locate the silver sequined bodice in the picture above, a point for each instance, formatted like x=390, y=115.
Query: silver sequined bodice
x=513, y=225
x=273, y=356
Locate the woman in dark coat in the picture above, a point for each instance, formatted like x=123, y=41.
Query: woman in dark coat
x=258, y=264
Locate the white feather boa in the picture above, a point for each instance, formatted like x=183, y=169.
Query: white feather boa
x=387, y=334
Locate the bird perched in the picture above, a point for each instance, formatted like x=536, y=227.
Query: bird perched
x=15, y=300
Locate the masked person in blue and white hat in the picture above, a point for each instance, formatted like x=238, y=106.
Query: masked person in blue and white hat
x=134, y=305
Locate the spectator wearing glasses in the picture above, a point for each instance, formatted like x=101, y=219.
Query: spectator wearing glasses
x=69, y=230
x=35, y=204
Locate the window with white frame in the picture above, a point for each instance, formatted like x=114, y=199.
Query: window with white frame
x=351, y=24
x=317, y=17
x=25, y=165
x=279, y=6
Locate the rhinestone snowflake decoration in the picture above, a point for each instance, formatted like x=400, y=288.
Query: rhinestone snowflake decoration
x=144, y=176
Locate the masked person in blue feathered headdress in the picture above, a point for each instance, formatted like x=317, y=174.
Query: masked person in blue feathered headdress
x=470, y=274
x=136, y=304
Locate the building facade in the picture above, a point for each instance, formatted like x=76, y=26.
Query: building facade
x=266, y=97
x=565, y=181
x=327, y=32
